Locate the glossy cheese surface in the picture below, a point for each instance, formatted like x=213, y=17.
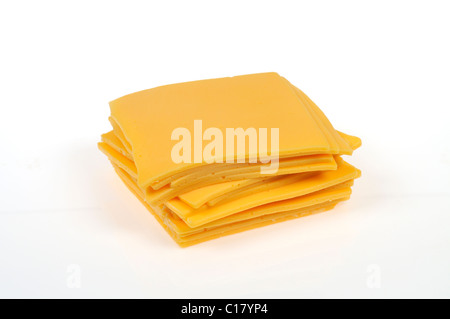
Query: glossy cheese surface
x=146, y=119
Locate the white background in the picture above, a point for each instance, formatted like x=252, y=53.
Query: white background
x=379, y=70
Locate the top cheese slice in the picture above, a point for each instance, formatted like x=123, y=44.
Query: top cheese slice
x=146, y=119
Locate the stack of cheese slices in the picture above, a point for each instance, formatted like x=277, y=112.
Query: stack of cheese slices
x=229, y=192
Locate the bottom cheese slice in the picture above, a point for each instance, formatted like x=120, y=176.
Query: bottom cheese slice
x=172, y=224
x=180, y=227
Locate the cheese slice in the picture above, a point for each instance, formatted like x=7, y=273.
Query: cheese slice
x=200, y=196
x=340, y=192
x=120, y=136
x=298, y=187
x=336, y=192
x=118, y=159
x=231, y=172
x=114, y=142
x=239, y=193
x=302, y=165
x=119, y=155
x=177, y=229
x=146, y=119
x=219, y=172
x=337, y=142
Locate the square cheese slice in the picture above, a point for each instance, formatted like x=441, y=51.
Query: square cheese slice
x=145, y=120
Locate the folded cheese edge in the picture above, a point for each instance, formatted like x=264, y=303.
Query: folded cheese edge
x=121, y=137
x=111, y=139
x=337, y=141
x=140, y=101
x=184, y=240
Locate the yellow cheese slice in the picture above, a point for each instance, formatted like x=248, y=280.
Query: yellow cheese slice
x=286, y=166
x=216, y=232
x=321, y=180
x=337, y=141
x=157, y=197
x=215, y=173
x=145, y=119
x=274, y=182
x=202, y=195
x=293, y=204
x=305, y=164
x=323, y=162
x=254, y=222
x=119, y=133
x=180, y=227
x=113, y=141
x=118, y=159
x=248, y=225
x=239, y=193
x=353, y=141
